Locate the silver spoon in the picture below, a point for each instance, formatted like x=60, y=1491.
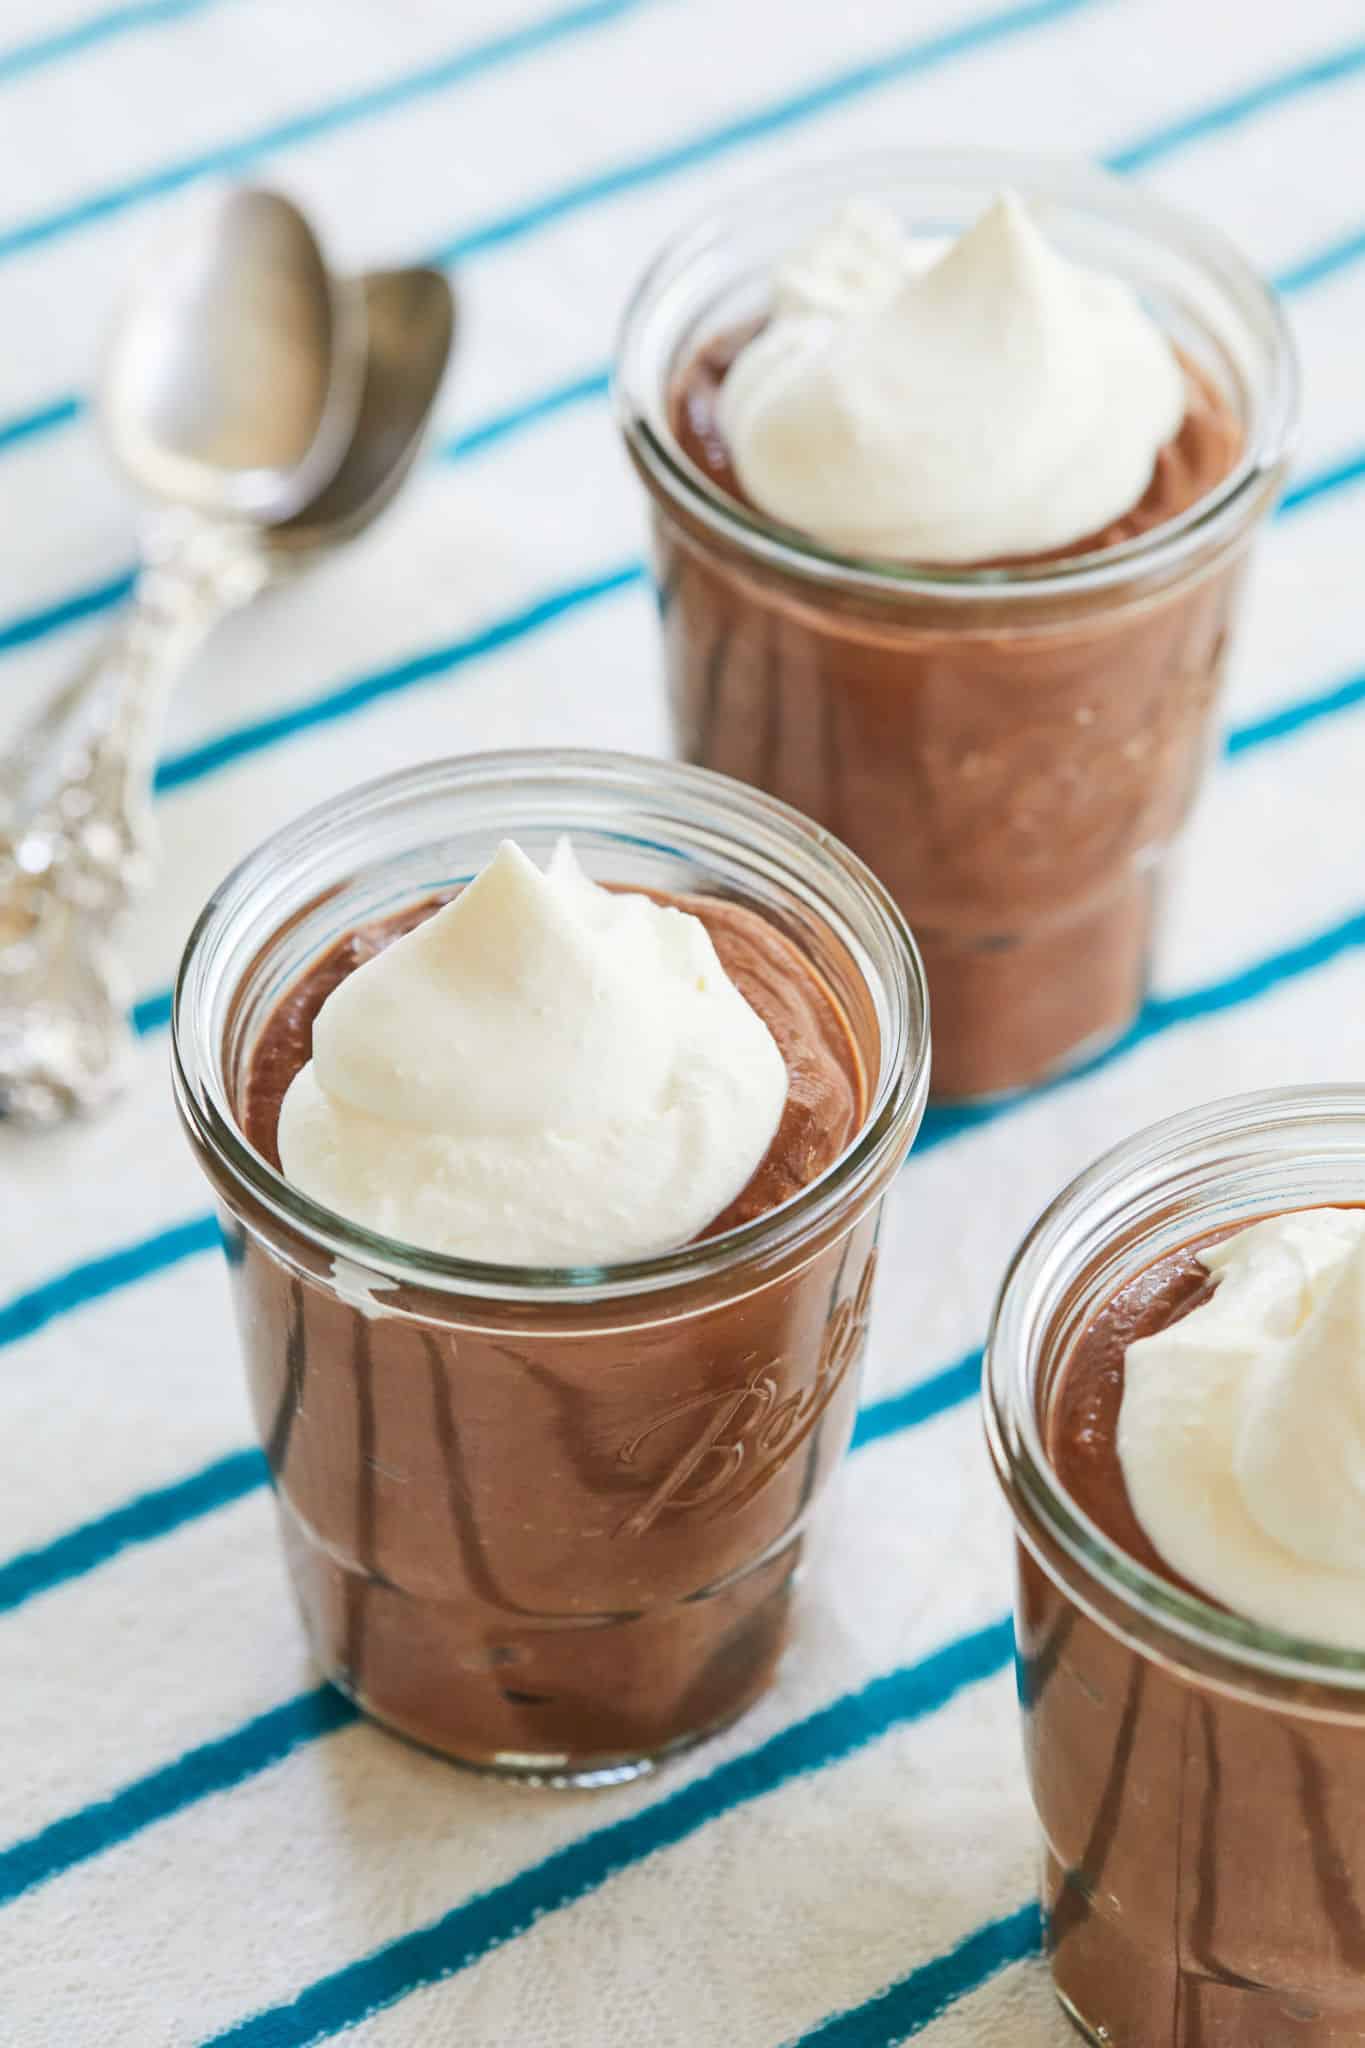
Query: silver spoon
x=64, y=1039
x=229, y=393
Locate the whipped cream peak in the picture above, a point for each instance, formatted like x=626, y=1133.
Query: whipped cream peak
x=1003, y=401
x=858, y=261
x=544, y=1072
x=1242, y=1428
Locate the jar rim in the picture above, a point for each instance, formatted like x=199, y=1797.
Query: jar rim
x=1212, y=520
x=893, y=1114
x=1140, y=1168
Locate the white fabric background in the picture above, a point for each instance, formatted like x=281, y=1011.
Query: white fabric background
x=177, y=1912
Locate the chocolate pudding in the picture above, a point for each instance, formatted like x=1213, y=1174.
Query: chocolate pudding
x=1011, y=740
x=542, y=1547
x=1204, y=1856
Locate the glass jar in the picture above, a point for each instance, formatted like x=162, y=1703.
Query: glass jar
x=1012, y=749
x=1199, y=1780
x=547, y=1521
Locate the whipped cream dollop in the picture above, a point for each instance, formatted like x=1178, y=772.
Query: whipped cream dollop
x=1003, y=401
x=1242, y=1428
x=545, y=1072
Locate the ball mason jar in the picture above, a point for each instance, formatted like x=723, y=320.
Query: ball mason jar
x=1199, y=1779
x=548, y=1521
x=1012, y=749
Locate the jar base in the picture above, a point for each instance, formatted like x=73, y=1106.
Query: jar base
x=1222, y=2015
x=547, y=1773
x=1123, y=1984
x=1013, y=1013
x=1100, y=2037
x=1071, y=1062
x=528, y=1698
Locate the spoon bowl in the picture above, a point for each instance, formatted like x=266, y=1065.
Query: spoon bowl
x=233, y=379
x=410, y=331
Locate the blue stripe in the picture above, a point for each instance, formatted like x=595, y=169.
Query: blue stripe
x=27, y=1313
x=101, y=596
x=67, y=611
x=529, y=413
x=178, y=769
x=153, y=1013
x=1202, y=122
x=199, y=1774
x=21, y=58
x=143, y=1520
x=920, y=1403
x=1322, y=263
x=472, y=1930
x=908, y=2007
x=1160, y=1015
x=59, y=413
x=1319, y=483
x=924, y=54
x=1167, y=1013
x=470, y=62
x=111, y=591
x=1291, y=718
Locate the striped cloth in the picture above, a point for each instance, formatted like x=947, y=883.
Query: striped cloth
x=197, y=1843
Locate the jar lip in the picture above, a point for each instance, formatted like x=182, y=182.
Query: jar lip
x=1211, y=519
x=1013, y=1431
x=892, y=1118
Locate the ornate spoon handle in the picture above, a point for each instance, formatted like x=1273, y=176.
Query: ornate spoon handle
x=76, y=840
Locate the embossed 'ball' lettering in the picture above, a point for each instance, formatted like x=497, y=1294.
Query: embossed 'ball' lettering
x=746, y=1434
